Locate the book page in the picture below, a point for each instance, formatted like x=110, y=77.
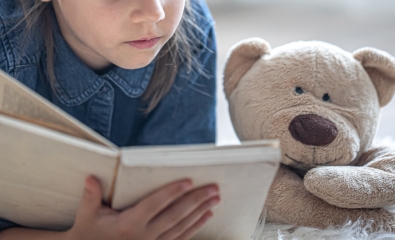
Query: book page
x=244, y=174
x=43, y=172
x=18, y=101
x=199, y=154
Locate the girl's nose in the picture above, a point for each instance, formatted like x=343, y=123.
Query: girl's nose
x=148, y=11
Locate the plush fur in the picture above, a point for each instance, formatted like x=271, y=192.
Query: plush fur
x=323, y=103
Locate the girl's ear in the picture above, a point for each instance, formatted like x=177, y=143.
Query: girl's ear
x=240, y=59
x=380, y=66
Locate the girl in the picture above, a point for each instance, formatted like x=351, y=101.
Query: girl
x=139, y=72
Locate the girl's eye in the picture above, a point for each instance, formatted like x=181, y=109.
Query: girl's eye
x=326, y=97
x=299, y=90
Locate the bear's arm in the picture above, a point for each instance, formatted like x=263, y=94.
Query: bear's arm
x=289, y=202
x=382, y=158
x=369, y=184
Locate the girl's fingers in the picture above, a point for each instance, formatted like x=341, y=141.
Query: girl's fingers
x=153, y=204
x=186, y=224
x=92, y=196
x=182, y=208
x=196, y=227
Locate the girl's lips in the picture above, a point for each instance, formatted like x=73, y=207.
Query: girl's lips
x=144, y=44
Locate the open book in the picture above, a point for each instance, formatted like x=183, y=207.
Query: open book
x=45, y=156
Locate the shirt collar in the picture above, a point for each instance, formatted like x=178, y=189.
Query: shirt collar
x=76, y=82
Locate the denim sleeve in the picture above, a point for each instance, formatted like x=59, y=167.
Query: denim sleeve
x=4, y=224
x=3, y=47
x=186, y=114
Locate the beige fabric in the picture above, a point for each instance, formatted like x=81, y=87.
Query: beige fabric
x=381, y=68
x=323, y=103
x=242, y=58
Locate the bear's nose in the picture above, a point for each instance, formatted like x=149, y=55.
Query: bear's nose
x=311, y=129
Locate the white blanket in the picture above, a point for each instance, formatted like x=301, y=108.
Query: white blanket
x=349, y=231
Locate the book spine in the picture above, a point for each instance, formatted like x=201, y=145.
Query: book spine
x=112, y=189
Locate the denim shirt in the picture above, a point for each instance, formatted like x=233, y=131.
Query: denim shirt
x=111, y=103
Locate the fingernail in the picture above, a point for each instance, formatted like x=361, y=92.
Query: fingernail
x=187, y=185
x=208, y=215
x=88, y=183
x=212, y=191
x=214, y=201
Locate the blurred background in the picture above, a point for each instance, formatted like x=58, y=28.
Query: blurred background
x=349, y=24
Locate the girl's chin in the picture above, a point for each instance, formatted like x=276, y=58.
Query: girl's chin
x=142, y=62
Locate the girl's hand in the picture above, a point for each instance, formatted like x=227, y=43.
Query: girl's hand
x=172, y=212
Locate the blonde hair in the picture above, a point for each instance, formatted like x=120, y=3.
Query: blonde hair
x=178, y=50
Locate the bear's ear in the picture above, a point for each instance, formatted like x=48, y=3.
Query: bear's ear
x=381, y=68
x=240, y=59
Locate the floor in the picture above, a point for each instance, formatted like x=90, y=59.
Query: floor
x=343, y=23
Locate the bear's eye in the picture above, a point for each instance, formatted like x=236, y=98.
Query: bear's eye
x=299, y=90
x=326, y=97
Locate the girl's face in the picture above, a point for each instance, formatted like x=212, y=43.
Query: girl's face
x=127, y=33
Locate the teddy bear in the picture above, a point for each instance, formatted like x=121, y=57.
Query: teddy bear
x=323, y=104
